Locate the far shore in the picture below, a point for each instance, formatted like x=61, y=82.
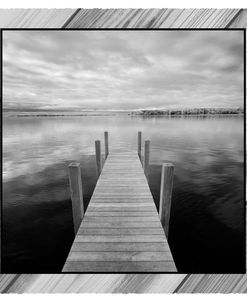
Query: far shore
x=130, y=114
x=136, y=113
x=48, y=115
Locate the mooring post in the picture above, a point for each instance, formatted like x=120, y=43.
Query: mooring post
x=76, y=194
x=98, y=157
x=140, y=145
x=146, y=158
x=106, y=144
x=166, y=185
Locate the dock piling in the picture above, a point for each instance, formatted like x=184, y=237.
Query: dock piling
x=140, y=145
x=76, y=194
x=146, y=158
x=98, y=157
x=166, y=185
x=106, y=144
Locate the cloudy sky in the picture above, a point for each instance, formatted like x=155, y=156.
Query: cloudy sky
x=81, y=70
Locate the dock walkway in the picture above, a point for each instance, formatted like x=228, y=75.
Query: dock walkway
x=121, y=230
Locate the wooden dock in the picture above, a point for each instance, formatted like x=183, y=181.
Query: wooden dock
x=121, y=229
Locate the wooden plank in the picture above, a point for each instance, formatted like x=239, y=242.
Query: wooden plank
x=115, y=267
x=120, y=200
x=120, y=205
x=122, y=174
x=121, y=209
x=118, y=246
x=122, y=186
x=124, y=167
x=123, y=231
x=119, y=238
x=119, y=219
x=121, y=214
x=123, y=183
x=126, y=192
x=121, y=225
x=120, y=256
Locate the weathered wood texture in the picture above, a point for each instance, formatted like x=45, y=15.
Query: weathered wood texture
x=139, y=146
x=166, y=185
x=76, y=194
x=94, y=283
x=208, y=283
x=121, y=18
x=123, y=283
x=106, y=144
x=98, y=158
x=146, y=157
x=31, y=18
x=120, y=241
x=240, y=21
x=153, y=18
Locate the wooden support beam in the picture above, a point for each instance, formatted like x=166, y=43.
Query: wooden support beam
x=146, y=158
x=140, y=145
x=166, y=185
x=106, y=144
x=76, y=194
x=98, y=157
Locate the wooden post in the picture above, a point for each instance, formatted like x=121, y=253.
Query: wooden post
x=76, y=194
x=146, y=158
x=140, y=145
x=106, y=144
x=98, y=157
x=166, y=195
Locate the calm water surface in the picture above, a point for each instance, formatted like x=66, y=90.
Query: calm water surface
x=207, y=215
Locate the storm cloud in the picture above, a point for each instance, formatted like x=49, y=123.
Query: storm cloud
x=121, y=70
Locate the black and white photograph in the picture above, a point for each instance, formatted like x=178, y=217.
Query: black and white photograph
x=123, y=151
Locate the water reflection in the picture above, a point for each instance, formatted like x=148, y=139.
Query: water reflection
x=207, y=211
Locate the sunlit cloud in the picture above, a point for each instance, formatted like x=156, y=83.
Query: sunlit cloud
x=121, y=70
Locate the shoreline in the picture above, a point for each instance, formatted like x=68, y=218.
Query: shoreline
x=129, y=114
x=209, y=114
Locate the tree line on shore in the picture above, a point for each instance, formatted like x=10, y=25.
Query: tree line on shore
x=193, y=111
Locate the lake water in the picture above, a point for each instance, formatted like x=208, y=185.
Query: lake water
x=207, y=232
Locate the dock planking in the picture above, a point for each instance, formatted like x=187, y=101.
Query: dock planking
x=121, y=230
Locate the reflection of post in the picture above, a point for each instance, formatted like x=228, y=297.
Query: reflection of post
x=140, y=145
x=106, y=144
x=146, y=158
x=76, y=194
x=166, y=195
x=98, y=157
